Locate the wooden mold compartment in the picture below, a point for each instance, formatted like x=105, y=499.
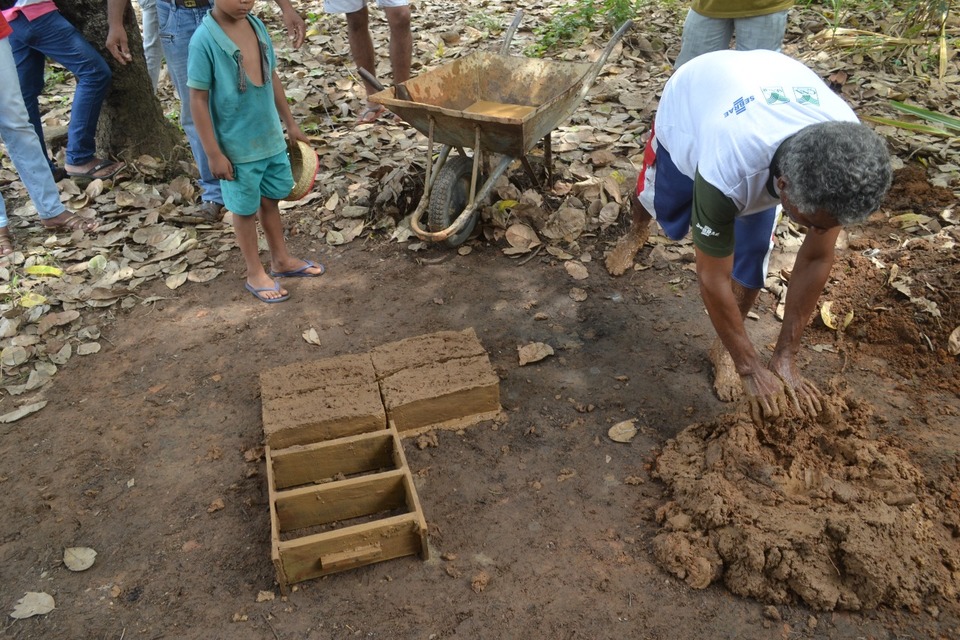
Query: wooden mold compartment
x=342, y=504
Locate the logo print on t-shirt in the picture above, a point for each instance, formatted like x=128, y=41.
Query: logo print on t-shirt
x=775, y=95
x=807, y=95
x=739, y=106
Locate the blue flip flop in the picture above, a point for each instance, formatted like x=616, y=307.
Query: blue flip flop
x=256, y=293
x=301, y=272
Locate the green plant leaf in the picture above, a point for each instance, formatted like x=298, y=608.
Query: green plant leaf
x=909, y=126
x=931, y=116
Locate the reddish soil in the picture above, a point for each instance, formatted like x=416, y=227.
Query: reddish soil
x=540, y=525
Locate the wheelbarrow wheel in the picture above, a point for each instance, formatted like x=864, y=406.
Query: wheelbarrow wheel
x=449, y=198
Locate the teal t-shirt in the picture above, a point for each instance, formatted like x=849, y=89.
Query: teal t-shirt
x=245, y=118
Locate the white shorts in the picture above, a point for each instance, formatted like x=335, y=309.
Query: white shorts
x=350, y=6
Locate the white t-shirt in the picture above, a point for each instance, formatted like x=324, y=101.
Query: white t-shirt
x=725, y=113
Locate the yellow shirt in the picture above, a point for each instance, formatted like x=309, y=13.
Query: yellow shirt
x=739, y=8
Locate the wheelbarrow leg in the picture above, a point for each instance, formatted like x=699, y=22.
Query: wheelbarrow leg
x=548, y=157
x=529, y=169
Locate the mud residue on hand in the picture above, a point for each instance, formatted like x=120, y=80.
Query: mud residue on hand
x=818, y=510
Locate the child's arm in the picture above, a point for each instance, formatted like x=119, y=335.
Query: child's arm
x=220, y=165
x=280, y=99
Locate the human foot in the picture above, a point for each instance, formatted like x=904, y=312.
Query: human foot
x=95, y=169
x=69, y=221
x=6, y=242
x=726, y=381
x=298, y=269
x=370, y=113
x=621, y=258
x=269, y=293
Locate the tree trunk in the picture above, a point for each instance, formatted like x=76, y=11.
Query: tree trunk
x=132, y=121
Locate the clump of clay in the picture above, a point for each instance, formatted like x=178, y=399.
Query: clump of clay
x=813, y=509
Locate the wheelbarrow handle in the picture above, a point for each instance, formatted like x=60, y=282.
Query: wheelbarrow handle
x=512, y=29
x=400, y=90
x=372, y=79
x=598, y=65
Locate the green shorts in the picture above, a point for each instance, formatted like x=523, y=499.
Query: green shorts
x=268, y=178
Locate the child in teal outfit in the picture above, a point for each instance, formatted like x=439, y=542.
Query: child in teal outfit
x=237, y=102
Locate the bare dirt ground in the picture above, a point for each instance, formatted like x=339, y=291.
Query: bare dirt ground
x=540, y=525
x=139, y=443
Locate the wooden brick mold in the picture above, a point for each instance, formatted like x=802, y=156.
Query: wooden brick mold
x=342, y=504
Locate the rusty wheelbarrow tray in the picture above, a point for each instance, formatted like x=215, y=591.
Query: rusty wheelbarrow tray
x=487, y=102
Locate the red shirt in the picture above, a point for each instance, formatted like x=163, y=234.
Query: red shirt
x=5, y=29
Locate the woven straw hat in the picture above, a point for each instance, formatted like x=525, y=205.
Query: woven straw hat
x=304, y=162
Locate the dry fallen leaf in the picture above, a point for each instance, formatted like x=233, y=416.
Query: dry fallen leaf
x=79, y=558
x=577, y=294
x=23, y=411
x=953, y=342
x=311, y=336
x=32, y=604
x=216, y=505
x=534, y=352
x=266, y=596
x=576, y=270
x=622, y=431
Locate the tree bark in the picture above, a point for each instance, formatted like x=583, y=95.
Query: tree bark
x=132, y=120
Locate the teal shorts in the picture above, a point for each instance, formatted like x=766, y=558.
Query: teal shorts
x=268, y=178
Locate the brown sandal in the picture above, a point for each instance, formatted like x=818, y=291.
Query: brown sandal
x=6, y=242
x=74, y=223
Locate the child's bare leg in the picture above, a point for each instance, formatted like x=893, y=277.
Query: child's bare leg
x=280, y=259
x=245, y=228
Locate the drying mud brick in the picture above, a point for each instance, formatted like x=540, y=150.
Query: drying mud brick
x=442, y=395
x=418, y=351
x=321, y=400
x=299, y=377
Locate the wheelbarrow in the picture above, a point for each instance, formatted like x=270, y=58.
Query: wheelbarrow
x=491, y=103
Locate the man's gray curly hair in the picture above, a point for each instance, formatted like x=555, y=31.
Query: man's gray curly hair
x=842, y=168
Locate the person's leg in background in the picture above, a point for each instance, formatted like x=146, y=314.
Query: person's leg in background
x=760, y=32
x=176, y=27
x=703, y=35
x=152, y=50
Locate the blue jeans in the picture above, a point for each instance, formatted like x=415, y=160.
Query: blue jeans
x=177, y=25
x=22, y=143
x=703, y=35
x=152, y=50
x=51, y=36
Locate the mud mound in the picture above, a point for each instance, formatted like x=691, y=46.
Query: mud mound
x=819, y=511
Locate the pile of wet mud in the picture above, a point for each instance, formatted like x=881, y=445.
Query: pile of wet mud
x=815, y=509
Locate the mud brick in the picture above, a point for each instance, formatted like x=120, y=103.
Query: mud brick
x=329, y=412
x=445, y=395
x=299, y=377
x=431, y=348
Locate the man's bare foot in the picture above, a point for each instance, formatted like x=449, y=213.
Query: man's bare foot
x=726, y=381
x=266, y=289
x=94, y=169
x=621, y=258
x=296, y=268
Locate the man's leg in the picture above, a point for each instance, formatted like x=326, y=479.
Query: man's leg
x=30, y=64
x=60, y=41
x=361, y=43
x=702, y=35
x=177, y=25
x=22, y=144
x=152, y=50
x=760, y=32
x=401, y=42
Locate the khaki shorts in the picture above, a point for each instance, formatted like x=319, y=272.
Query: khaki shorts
x=350, y=6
